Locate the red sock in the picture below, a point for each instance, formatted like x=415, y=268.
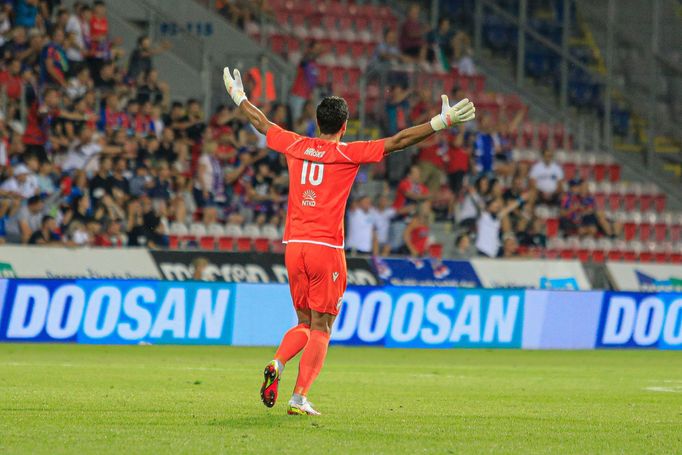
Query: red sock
x=292, y=343
x=311, y=361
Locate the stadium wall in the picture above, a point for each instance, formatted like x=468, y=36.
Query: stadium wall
x=165, y=312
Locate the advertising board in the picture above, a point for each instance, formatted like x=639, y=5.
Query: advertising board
x=531, y=274
x=41, y=262
x=637, y=276
x=245, y=267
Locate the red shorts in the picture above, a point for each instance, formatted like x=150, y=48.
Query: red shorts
x=317, y=276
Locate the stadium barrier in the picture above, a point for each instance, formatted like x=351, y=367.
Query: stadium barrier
x=233, y=267
x=166, y=312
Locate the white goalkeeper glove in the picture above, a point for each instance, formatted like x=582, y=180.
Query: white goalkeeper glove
x=453, y=115
x=234, y=85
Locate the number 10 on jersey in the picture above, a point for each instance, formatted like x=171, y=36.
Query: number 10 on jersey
x=312, y=172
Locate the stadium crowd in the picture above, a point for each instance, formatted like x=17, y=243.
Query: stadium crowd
x=94, y=151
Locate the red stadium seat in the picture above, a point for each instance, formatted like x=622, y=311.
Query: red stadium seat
x=207, y=242
x=261, y=245
x=173, y=242
x=614, y=172
x=226, y=243
x=552, y=227
x=244, y=244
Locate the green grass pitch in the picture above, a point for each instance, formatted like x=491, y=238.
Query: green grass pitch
x=168, y=399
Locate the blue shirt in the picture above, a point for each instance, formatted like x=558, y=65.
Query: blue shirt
x=26, y=14
x=483, y=151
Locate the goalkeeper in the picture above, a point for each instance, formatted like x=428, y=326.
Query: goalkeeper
x=321, y=174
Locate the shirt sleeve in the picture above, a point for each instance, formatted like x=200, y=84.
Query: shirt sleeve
x=280, y=140
x=363, y=151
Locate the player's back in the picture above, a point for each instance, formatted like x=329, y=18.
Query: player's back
x=321, y=174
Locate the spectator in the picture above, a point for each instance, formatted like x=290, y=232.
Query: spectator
x=440, y=43
x=383, y=214
x=26, y=13
x=82, y=151
x=48, y=233
x=307, y=77
x=474, y=202
x=210, y=181
x=416, y=235
x=10, y=79
x=388, y=51
x=462, y=54
x=78, y=28
x=361, y=227
x=141, y=58
x=199, y=269
x=510, y=246
x=112, y=236
x=27, y=220
x=410, y=192
x=412, y=39
x=46, y=179
x=54, y=65
x=306, y=124
x=80, y=84
x=484, y=146
x=457, y=160
x=23, y=184
x=488, y=226
x=463, y=247
x=397, y=109
x=547, y=177
x=431, y=164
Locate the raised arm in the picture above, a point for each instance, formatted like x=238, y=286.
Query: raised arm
x=235, y=88
x=449, y=117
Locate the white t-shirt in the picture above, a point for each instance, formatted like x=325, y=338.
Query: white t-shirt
x=488, y=235
x=79, y=155
x=547, y=177
x=360, y=229
x=75, y=26
x=382, y=222
x=26, y=189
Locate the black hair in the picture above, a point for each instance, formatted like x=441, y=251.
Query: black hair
x=45, y=219
x=332, y=113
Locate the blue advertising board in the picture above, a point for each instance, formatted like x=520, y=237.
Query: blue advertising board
x=426, y=272
x=116, y=312
x=158, y=312
x=430, y=317
x=641, y=320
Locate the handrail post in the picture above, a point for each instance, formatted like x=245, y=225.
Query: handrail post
x=651, y=133
x=521, y=45
x=610, y=24
x=478, y=27
x=565, y=35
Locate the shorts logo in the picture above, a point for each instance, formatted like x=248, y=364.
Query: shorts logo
x=335, y=275
x=309, y=198
x=314, y=153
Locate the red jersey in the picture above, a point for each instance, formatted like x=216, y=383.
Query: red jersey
x=405, y=186
x=321, y=174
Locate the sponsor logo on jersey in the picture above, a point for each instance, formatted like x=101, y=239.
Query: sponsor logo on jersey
x=314, y=153
x=309, y=198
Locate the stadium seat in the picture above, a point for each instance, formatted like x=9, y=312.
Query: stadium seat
x=244, y=244
x=207, y=242
x=261, y=244
x=226, y=243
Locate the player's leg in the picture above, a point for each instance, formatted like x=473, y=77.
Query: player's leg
x=327, y=276
x=311, y=362
x=296, y=338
